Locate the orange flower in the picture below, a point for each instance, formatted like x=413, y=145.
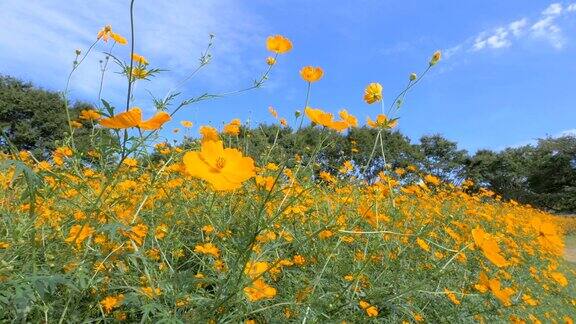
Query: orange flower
x=224, y=169
x=209, y=133
x=106, y=33
x=156, y=121
x=319, y=116
x=348, y=118
x=452, y=297
x=139, y=59
x=382, y=121
x=273, y=112
x=111, y=302
x=255, y=269
x=278, y=44
x=548, y=236
x=207, y=248
x=79, y=233
x=259, y=290
x=89, y=114
x=233, y=128
x=373, y=93
x=186, y=123
x=311, y=73
x=139, y=73
x=503, y=295
x=483, y=283
x=489, y=246
x=423, y=245
x=133, y=118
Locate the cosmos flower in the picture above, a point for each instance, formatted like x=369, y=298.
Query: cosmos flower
x=224, y=169
x=278, y=44
x=311, y=73
x=133, y=118
x=373, y=93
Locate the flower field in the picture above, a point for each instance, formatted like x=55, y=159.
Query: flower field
x=133, y=229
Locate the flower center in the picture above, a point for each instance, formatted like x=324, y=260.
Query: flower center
x=220, y=162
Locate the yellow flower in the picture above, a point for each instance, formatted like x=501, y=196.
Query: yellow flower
x=150, y=292
x=79, y=233
x=278, y=44
x=209, y=133
x=423, y=244
x=130, y=162
x=373, y=93
x=299, y=260
x=104, y=33
x=259, y=290
x=311, y=73
x=559, y=278
x=435, y=58
x=161, y=231
x=489, y=247
x=139, y=59
x=207, y=248
x=430, y=179
x=111, y=302
x=273, y=112
x=370, y=310
x=503, y=295
x=139, y=73
x=270, y=61
x=224, y=169
x=118, y=38
x=89, y=114
x=4, y=245
x=232, y=128
x=255, y=269
x=348, y=118
x=325, y=119
x=452, y=297
x=186, y=123
x=381, y=121
x=483, y=284
x=137, y=233
x=133, y=118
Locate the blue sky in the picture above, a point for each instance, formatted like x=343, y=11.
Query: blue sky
x=508, y=74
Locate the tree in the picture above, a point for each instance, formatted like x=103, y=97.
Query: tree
x=441, y=157
x=33, y=119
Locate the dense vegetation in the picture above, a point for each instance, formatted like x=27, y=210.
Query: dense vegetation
x=332, y=222
x=542, y=175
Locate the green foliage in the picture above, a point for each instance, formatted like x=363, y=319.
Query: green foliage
x=543, y=175
x=34, y=119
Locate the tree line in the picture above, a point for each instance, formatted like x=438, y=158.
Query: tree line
x=543, y=174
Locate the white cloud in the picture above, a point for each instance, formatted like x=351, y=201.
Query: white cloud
x=517, y=27
x=553, y=10
x=499, y=38
x=38, y=39
x=546, y=27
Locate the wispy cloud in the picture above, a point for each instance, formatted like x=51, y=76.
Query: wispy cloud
x=546, y=26
x=38, y=39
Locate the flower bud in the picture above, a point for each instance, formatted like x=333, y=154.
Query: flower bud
x=413, y=76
